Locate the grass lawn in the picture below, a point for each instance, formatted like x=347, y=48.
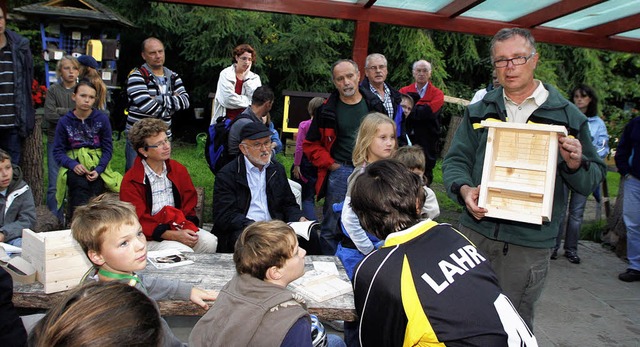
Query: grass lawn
x=191, y=156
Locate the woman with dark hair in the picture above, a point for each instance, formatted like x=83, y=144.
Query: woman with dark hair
x=100, y=314
x=585, y=98
x=236, y=84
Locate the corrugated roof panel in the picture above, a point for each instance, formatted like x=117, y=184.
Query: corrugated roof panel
x=416, y=5
x=595, y=15
x=632, y=34
x=506, y=11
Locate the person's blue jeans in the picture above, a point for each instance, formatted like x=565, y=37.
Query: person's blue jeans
x=129, y=153
x=572, y=225
x=330, y=234
x=11, y=142
x=334, y=341
x=631, y=216
x=52, y=173
x=309, y=199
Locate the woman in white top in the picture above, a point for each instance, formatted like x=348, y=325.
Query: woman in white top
x=236, y=84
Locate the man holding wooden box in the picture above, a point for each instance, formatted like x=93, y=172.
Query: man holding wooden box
x=519, y=252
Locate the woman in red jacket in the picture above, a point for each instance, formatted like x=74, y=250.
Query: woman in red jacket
x=162, y=192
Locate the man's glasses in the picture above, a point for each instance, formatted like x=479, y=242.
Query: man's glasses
x=165, y=142
x=514, y=61
x=377, y=67
x=244, y=58
x=256, y=146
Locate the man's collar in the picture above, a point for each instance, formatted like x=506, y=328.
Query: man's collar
x=149, y=170
x=423, y=88
x=250, y=165
x=539, y=95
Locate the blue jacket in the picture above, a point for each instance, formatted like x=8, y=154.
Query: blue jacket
x=626, y=159
x=22, y=79
x=599, y=135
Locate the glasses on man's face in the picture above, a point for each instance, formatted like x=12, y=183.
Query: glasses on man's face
x=259, y=145
x=163, y=143
x=377, y=67
x=244, y=58
x=514, y=61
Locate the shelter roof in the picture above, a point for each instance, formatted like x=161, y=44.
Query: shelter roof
x=602, y=24
x=75, y=10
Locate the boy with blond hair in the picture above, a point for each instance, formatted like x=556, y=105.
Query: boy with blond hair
x=109, y=233
x=255, y=308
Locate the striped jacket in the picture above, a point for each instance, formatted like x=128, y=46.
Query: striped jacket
x=146, y=100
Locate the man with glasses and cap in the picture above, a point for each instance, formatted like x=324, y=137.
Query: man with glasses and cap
x=252, y=188
x=519, y=252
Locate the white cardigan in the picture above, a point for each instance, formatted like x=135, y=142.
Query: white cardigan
x=226, y=96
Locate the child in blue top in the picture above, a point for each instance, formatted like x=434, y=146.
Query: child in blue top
x=83, y=149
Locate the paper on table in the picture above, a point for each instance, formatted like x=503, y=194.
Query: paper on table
x=168, y=258
x=322, y=283
x=10, y=248
x=303, y=228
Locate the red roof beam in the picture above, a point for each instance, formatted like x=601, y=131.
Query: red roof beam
x=615, y=27
x=455, y=8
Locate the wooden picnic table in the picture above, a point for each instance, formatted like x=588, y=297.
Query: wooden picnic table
x=209, y=271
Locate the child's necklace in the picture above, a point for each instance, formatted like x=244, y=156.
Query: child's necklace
x=133, y=279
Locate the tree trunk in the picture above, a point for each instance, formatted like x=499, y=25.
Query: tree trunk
x=616, y=232
x=32, y=162
x=453, y=127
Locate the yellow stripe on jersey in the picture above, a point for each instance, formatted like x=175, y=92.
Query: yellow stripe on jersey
x=419, y=331
x=400, y=237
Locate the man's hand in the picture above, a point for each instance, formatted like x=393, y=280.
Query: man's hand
x=303, y=219
x=470, y=197
x=1, y=237
x=571, y=151
x=296, y=171
x=92, y=176
x=184, y=236
x=198, y=296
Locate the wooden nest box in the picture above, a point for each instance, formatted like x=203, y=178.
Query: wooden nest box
x=519, y=172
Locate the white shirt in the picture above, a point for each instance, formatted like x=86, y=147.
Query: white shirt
x=257, y=180
x=161, y=188
x=521, y=113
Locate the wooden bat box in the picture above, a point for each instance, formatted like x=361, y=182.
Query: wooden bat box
x=59, y=260
x=519, y=172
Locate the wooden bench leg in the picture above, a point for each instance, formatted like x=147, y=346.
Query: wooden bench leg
x=200, y=204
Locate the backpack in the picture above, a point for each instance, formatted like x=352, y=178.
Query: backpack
x=216, y=147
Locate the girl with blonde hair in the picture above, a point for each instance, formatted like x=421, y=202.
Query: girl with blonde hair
x=376, y=140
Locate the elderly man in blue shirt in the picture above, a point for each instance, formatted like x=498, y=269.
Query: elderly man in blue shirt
x=253, y=188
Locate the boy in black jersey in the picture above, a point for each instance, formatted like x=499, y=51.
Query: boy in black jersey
x=428, y=285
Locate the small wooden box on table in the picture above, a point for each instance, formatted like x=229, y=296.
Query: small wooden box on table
x=519, y=172
x=58, y=259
